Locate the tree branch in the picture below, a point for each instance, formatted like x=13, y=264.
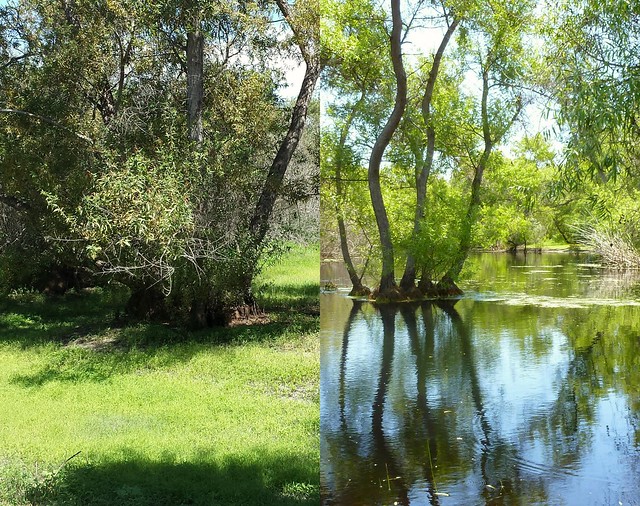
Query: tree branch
x=46, y=120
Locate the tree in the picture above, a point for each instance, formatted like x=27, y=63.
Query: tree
x=425, y=161
x=457, y=135
x=517, y=205
x=303, y=21
x=349, y=43
x=152, y=193
x=387, y=286
x=501, y=65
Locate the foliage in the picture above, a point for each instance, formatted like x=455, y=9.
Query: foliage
x=136, y=220
x=518, y=207
x=594, y=62
x=439, y=233
x=98, y=168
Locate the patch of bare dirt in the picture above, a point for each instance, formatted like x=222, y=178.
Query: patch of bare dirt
x=250, y=319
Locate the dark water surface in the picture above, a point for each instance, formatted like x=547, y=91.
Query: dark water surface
x=525, y=391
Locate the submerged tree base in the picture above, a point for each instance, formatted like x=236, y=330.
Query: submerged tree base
x=360, y=291
x=448, y=288
x=426, y=289
x=390, y=294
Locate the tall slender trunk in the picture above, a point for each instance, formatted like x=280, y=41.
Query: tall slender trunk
x=259, y=224
x=195, y=85
x=387, y=280
x=474, y=201
x=422, y=174
x=260, y=221
x=205, y=311
x=357, y=286
x=447, y=283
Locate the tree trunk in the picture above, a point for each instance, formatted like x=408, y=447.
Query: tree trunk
x=474, y=202
x=259, y=224
x=452, y=274
x=469, y=220
x=105, y=103
x=426, y=285
x=357, y=287
x=147, y=304
x=260, y=221
x=409, y=277
x=195, y=85
x=387, y=279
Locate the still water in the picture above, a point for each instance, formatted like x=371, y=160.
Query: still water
x=525, y=391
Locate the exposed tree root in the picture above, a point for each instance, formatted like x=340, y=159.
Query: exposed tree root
x=360, y=291
x=448, y=288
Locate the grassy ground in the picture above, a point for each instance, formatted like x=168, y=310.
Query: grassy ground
x=159, y=416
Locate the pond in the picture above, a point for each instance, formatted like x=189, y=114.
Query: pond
x=524, y=391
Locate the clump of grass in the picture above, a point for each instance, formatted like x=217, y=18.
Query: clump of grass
x=24, y=485
x=615, y=247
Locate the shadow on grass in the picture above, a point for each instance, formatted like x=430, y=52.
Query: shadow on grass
x=303, y=297
x=268, y=480
x=91, y=342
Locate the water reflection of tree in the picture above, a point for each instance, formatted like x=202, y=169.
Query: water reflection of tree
x=355, y=309
x=499, y=458
x=433, y=452
x=606, y=350
x=382, y=452
x=604, y=360
x=407, y=424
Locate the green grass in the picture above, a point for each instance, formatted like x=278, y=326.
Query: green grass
x=291, y=280
x=158, y=415
x=554, y=245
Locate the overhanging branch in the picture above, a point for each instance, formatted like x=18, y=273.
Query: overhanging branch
x=47, y=120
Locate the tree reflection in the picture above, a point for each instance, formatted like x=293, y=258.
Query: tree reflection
x=499, y=458
x=382, y=454
x=356, y=308
x=427, y=422
x=420, y=419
